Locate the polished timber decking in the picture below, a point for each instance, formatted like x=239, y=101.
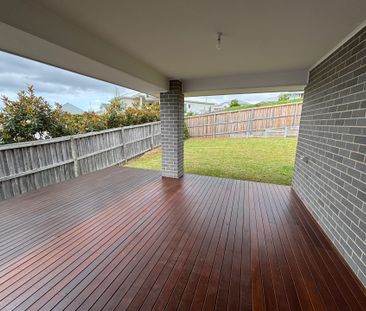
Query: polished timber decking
x=128, y=239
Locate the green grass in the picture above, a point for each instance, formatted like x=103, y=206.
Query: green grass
x=269, y=160
x=264, y=104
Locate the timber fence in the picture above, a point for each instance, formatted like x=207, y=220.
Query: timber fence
x=32, y=165
x=273, y=121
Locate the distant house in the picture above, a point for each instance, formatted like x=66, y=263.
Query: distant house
x=198, y=107
x=70, y=108
x=296, y=95
x=143, y=99
x=140, y=98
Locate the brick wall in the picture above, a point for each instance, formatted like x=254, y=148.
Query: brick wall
x=330, y=169
x=172, y=132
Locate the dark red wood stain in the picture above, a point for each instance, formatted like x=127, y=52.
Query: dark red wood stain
x=124, y=239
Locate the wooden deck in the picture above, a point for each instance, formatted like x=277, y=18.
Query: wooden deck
x=128, y=239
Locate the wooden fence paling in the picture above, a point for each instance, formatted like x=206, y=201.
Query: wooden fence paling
x=247, y=122
x=32, y=165
x=151, y=136
x=74, y=156
x=123, y=145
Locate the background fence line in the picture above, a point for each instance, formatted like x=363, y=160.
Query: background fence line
x=273, y=121
x=32, y=165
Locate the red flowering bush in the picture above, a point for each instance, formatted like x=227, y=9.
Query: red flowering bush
x=27, y=118
x=31, y=117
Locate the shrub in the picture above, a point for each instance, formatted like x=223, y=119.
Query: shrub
x=88, y=122
x=138, y=115
x=234, y=103
x=186, y=133
x=114, y=112
x=283, y=97
x=63, y=124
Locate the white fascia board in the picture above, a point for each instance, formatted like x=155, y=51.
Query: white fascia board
x=247, y=83
x=31, y=31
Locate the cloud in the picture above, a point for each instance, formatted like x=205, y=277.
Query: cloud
x=55, y=84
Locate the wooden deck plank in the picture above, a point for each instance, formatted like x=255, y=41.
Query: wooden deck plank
x=331, y=261
x=245, y=269
x=64, y=260
x=233, y=302
x=59, y=243
x=112, y=233
x=151, y=289
x=118, y=289
x=95, y=272
x=258, y=288
x=210, y=250
x=157, y=277
x=124, y=239
x=191, y=284
x=272, y=245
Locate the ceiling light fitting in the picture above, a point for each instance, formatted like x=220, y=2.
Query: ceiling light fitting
x=218, y=41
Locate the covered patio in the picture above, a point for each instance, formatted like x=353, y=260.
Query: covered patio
x=123, y=238
x=128, y=239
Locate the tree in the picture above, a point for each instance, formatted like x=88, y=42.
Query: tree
x=27, y=118
x=283, y=97
x=234, y=103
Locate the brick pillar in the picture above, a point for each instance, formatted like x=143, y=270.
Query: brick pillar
x=172, y=134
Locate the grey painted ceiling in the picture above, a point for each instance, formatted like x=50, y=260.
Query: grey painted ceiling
x=178, y=38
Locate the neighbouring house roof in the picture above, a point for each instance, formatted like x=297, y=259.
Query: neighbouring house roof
x=70, y=108
x=145, y=97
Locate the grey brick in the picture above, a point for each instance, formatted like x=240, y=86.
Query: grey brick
x=172, y=134
x=333, y=135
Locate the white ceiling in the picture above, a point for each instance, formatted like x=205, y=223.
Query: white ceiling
x=177, y=39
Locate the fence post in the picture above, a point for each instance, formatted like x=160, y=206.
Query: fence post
x=250, y=121
x=214, y=126
x=205, y=126
x=124, y=159
x=294, y=107
x=74, y=154
x=237, y=123
x=285, y=132
x=151, y=137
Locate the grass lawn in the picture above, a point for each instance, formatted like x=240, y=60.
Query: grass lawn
x=269, y=160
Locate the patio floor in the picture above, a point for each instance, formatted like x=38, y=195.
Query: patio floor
x=127, y=239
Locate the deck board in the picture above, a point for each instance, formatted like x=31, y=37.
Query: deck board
x=124, y=238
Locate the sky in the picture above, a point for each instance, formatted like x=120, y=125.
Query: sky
x=62, y=86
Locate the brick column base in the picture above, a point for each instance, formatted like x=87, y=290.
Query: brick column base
x=172, y=133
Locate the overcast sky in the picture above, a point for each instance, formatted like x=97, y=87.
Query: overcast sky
x=57, y=85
